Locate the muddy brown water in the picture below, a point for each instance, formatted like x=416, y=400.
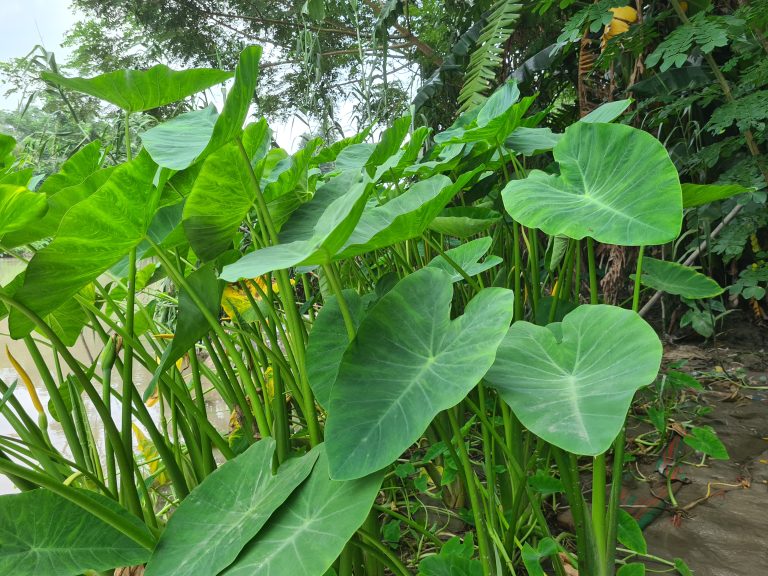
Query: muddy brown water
x=88, y=346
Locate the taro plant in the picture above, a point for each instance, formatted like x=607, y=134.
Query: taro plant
x=365, y=311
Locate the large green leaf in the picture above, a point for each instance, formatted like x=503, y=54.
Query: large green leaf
x=315, y=232
x=177, y=143
x=309, y=531
x=139, y=90
x=408, y=362
x=42, y=533
x=674, y=278
x=468, y=257
x=327, y=342
x=68, y=320
x=402, y=218
x=226, y=511
x=531, y=141
x=608, y=112
x=58, y=204
x=571, y=383
x=698, y=194
x=94, y=235
x=18, y=207
x=464, y=221
x=222, y=195
x=191, y=137
x=616, y=185
x=75, y=170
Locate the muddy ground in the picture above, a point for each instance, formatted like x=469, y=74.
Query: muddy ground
x=720, y=524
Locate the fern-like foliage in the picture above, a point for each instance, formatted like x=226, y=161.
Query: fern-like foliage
x=749, y=113
x=704, y=32
x=487, y=57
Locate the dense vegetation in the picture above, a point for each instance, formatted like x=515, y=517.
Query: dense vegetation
x=435, y=322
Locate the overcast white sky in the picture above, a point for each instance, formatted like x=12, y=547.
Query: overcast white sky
x=25, y=23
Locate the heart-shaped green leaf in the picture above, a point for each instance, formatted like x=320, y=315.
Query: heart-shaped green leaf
x=408, y=362
x=139, y=90
x=43, y=533
x=315, y=232
x=402, y=218
x=309, y=531
x=468, y=257
x=327, y=343
x=177, y=143
x=226, y=511
x=571, y=383
x=464, y=221
x=222, y=195
x=674, y=278
x=191, y=137
x=118, y=215
x=616, y=184
x=18, y=207
x=698, y=194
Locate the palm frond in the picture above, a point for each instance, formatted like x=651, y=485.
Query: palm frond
x=487, y=57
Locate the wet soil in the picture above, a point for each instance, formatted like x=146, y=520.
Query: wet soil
x=720, y=524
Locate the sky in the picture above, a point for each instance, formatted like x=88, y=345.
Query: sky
x=26, y=23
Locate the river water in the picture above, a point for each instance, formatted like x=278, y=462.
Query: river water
x=87, y=347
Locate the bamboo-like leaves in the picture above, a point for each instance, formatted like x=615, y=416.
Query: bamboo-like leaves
x=571, y=383
x=408, y=362
x=616, y=184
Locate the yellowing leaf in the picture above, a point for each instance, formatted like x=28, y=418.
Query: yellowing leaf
x=150, y=455
x=622, y=18
x=27, y=381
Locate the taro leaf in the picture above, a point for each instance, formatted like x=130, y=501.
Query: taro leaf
x=139, y=90
x=674, y=278
x=18, y=207
x=464, y=221
x=58, y=205
x=177, y=143
x=698, y=194
x=402, y=218
x=390, y=142
x=68, y=320
x=75, y=170
x=574, y=391
x=607, y=112
x=408, y=362
x=355, y=156
x=632, y=569
x=497, y=129
x=616, y=185
x=230, y=122
x=327, y=342
x=530, y=141
x=194, y=138
x=468, y=257
x=454, y=559
x=532, y=557
x=226, y=511
x=117, y=216
x=222, y=195
x=314, y=233
x=191, y=324
x=309, y=531
x=704, y=439
x=630, y=534
x=545, y=484
x=43, y=533
x=498, y=103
